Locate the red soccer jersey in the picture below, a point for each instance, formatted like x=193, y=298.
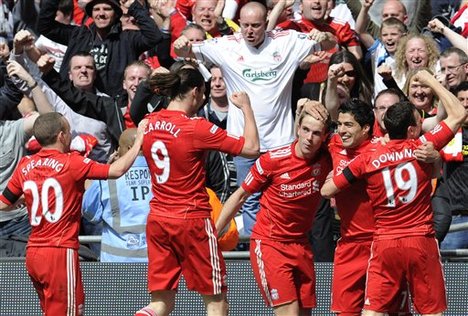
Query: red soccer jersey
x=377, y=130
x=53, y=186
x=174, y=147
x=353, y=204
x=345, y=36
x=291, y=193
x=398, y=185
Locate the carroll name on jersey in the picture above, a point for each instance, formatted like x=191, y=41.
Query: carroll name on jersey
x=163, y=126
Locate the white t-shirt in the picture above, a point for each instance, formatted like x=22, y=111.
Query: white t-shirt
x=52, y=48
x=12, y=149
x=266, y=74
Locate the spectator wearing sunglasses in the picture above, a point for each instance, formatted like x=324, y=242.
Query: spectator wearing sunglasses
x=346, y=80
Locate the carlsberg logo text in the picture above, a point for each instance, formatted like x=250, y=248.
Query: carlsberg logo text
x=255, y=75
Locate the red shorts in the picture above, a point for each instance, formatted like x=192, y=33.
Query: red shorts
x=413, y=259
x=284, y=272
x=184, y=246
x=349, y=279
x=56, y=275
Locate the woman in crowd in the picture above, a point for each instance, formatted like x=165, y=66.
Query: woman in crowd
x=414, y=52
x=420, y=95
x=346, y=80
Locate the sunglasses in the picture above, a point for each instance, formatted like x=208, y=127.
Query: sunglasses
x=350, y=73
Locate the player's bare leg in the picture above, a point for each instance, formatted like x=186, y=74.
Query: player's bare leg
x=216, y=305
x=162, y=304
x=289, y=309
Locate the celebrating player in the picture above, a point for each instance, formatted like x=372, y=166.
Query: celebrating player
x=181, y=236
x=290, y=178
x=399, y=186
x=52, y=182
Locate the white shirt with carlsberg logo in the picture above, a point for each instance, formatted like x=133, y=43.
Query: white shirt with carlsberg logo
x=266, y=74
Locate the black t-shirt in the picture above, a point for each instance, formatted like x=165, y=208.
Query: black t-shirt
x=456, y=178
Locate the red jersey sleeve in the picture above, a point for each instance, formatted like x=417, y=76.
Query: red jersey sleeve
x=351, y=173
x=258, y=175
x=13, y=190
x=5, y=200
x=440, y=136
x=85, y=168
x=345, y=35
x=209, y=136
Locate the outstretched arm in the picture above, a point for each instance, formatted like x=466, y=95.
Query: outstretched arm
x=49, y=27
x=279, y=7
x=456, y=39
x=361, y=24
x=40, y=100
x=121, y=165
x=24, y=41
x=183, y=47
x=149, y=34
x=231, y=207
x=332, y=100
x=456, y=113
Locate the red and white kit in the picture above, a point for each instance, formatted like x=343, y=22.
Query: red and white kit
x=280, y=253
x=53, y=186
x=181, y=236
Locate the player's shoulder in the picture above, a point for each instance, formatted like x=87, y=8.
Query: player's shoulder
x=197, y=118
x=371, y=145
x=75, y=157
x=335, y=141
x=280, y=153
x=202, y=124
x=227, y=40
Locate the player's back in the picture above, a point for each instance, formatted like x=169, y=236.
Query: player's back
x=399, y=187
x=53, y=190
x=175, y=147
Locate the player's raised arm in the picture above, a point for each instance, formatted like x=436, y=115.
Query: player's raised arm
x=251, y=147
x=231, y=207
x=183, y=47
x=121, y=165
x=455, y=111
